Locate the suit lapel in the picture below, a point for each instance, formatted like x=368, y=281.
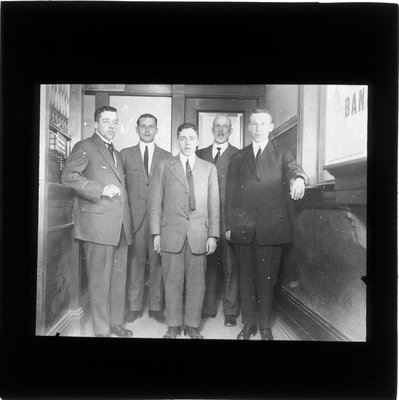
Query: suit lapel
x=176, y=168
x=250, y=161
x=208, y=154
x=155, y=159
x=138, y=160
x=102, y=147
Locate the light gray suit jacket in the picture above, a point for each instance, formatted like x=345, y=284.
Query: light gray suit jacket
x=169, y=205
x=137, y=181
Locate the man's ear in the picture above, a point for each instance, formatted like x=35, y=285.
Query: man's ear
x=96, y=126
x=271, y=127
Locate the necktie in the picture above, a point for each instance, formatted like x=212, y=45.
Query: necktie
x=257, y=158
x=111, y=150
x=217, y=155
x=146, y=160
x=190, y=180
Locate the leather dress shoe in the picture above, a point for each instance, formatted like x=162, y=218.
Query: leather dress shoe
x=102, y=335
x=131, y=316
x=266, y=334
x=230, y=320
x=173, y=332
x=192, y=332
x=247, y=332
x=121, y=331
x=159, y=316
x=206, y=315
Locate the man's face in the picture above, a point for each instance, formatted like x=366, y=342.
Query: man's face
x=260, y=125
x=107, y=124
x=147, y=129
x=188, y=141
x=221, y=129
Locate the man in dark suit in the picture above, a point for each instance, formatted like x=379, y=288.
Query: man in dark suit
x=219, y=153
x=257, y=218
x=103, y=222
x=184, y=219
x=139, y=164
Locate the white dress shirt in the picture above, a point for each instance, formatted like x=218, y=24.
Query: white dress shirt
x=191, y=161
x=262, y=145
x=107, y=142
x=222, y=146
x=151, y=148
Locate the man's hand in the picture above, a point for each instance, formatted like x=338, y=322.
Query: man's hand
x=227, y=235
x=111, y=191
x=157, y=244
x=297, y=189
x=210, y=245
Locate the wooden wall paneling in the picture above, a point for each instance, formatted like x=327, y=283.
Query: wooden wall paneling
x=178, y=112
x=102, y=99
x=224, y=91
x=42, y=209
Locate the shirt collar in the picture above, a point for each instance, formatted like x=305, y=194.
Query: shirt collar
x=103, y=139
x=222, y=146
x=262, y=146
x=150, y=145
x=184, y=159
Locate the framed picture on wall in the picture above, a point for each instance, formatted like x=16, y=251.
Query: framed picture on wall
x=205, y=123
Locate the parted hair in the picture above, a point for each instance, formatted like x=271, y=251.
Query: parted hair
x=261, y=110
x=100, y=110
x=146, y=116
x=187, y=125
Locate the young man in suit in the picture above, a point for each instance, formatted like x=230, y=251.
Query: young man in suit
x=184, y=219
x=219, y=153
x=103, y=222
x=139, y=164
x=257, y=218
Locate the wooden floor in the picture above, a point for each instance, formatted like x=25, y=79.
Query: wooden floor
x=212, y=328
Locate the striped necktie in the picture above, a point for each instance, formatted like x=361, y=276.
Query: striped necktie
x=190, y=180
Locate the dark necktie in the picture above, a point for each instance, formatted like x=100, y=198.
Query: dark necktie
x=146, y=160
x=257, y=158
x=111, y=150
x=190, y=180
x=217, y=155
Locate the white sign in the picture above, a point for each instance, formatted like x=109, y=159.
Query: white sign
x=345, y=123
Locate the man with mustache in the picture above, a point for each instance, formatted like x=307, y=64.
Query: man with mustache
x=219, y=153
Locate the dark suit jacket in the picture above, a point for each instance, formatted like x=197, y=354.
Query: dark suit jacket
x=88, y=169
x=169, y=211
x=137, y=181
x=257, y=201
x=221, y=166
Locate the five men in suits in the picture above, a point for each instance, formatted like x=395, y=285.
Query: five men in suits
x=219, y=153
x=102, y=221
x=184, y=219
x=139, y=164
x=257, y=218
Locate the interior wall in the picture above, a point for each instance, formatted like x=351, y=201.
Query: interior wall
x=323, y=266
x=282, y=102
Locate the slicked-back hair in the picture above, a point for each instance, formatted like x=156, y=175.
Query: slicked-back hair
x=261, y=110
x=187, y=125
x=146, y=116
x=100, y=110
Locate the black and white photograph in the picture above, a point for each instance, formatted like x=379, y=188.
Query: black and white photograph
x=261, y=236
x=199, y=200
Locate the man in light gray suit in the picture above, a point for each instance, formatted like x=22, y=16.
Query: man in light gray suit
x=139, y=163
x=184, y=219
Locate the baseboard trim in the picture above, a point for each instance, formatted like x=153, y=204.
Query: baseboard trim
x=304, y=322
x=70, y=324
